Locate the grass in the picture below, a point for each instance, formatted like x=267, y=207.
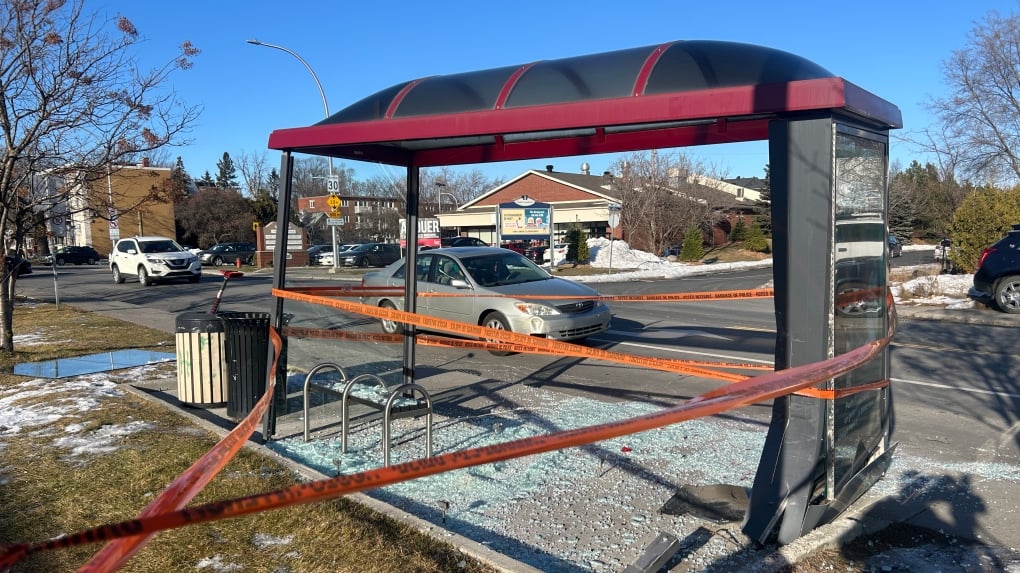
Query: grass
x=46, y=491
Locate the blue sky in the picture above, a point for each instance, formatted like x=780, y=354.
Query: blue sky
x=894, y=49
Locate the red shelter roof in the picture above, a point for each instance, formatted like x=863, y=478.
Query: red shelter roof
x=675, y=94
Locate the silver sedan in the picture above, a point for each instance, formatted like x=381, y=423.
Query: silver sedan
x=479, y=273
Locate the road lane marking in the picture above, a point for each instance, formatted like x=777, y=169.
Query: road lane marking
x=959, y=388
x=680, y=351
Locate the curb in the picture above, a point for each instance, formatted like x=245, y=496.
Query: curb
x=474, y=549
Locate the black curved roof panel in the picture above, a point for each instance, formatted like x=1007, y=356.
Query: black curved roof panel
x=668, y=95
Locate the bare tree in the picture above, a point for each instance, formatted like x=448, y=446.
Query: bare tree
x=73, y=103
x=214, y=215
x=661, y=198
x=254, y=169
x=979, y=131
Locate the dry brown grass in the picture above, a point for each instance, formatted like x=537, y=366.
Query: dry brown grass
x=47, y=492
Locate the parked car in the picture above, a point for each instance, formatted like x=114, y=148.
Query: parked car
x=559, y=253
x=228, y=253
x=536, y=253
x=370, y=255
x=997, y=279
x=315, y=252
x=74, y=255
x=153, y=259
x=515, y=246
x=895, y=247
x=488, y=278
x=23, y=265
x=462, y=242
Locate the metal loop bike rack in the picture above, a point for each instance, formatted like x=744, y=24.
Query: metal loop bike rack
x=324, y=389
x=404, y=412
x=422, y=404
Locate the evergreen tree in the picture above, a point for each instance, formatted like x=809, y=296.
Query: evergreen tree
x=983, y=218
x=573, y=236
x=177, y=188
x=226, y=173
x=763, y=207
x=692, y=249
x=739, y=232
x=206, y=180
x=583, y=255
x=755, y=239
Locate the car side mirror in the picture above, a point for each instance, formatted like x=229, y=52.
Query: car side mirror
x=459, y=283
x=132, y=252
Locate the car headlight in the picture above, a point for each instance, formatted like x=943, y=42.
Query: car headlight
x=534, y=309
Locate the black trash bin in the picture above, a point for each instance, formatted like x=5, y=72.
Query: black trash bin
x=247, y=351
x=201, y=372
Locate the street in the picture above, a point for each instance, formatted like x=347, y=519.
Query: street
x=959, y=374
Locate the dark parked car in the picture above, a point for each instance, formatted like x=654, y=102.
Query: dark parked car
x=536, y=253
x=23, y=265
x=370, y=255
x=73, y=255
x=228, y=253
x=997, y=279
x=462, y=242
x=895, y=247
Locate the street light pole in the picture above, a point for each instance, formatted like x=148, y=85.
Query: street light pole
x=325, y=107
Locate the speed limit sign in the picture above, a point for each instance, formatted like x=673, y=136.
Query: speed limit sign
x=333, y=184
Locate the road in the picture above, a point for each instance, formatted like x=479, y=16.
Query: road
x=957, y=373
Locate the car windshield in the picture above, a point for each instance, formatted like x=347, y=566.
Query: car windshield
x=160, y=247
x=500, y=269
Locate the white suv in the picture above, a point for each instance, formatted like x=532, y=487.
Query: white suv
x=153, y=259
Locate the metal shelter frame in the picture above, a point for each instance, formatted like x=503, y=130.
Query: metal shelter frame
x=675, y=94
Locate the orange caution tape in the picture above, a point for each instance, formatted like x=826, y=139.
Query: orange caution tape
x=190, y=483
x=134, y=533
x=751, y=391
x=506, y=340
x=666, y=297
x=841, y=392
x=335, y=334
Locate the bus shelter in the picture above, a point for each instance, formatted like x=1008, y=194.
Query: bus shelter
x=828, y=142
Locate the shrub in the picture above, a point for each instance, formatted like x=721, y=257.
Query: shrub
x=739, y=232
x=982, y=218
x=755, y=240
x=692, y=249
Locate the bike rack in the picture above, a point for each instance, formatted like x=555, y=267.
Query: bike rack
x=324, y=389
x=420, y=404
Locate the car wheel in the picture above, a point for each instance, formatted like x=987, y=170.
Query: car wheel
x=1007, y=294
x=117, y=277
x=496, y=321
x=363, y=262
x=249, y=261
x=143, y=276
x=390, y=326
x=217, y=261
x=92, y=261
x=60, y=262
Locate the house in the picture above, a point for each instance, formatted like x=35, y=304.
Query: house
x=583, y=199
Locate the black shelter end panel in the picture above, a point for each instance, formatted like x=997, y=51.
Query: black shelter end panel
x=799, y=153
